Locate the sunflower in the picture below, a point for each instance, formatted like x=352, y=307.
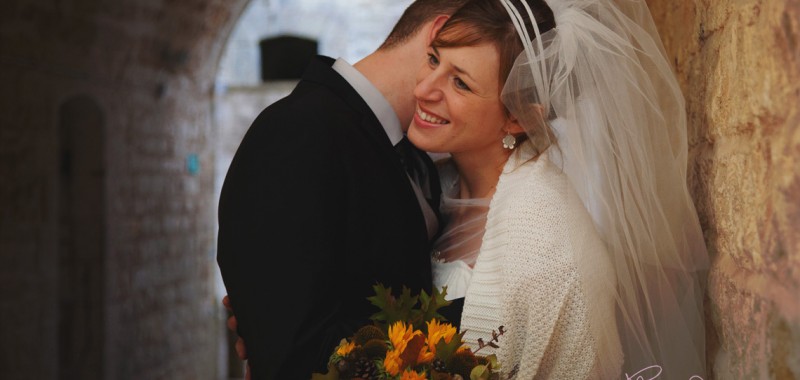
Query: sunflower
x=425, y=356
x=400, y=335
x=392, y=362
x=438, y=331
x=413, y=375
x=345, y=348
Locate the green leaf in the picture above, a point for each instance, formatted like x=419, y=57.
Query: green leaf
x=445, y=351
x=392, y=309
x=493, y=363
x=381, y=300
x=480, y=372
x=430, y=305
x=382, y=374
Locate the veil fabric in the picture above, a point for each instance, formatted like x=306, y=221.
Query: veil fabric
x=599, y=93
x=464, y=220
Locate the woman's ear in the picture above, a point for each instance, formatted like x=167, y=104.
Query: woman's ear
x=513, y=126
x=438, y=23
x=534, y=112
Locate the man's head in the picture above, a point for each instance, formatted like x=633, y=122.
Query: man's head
x=393, y=67
x=418, y=14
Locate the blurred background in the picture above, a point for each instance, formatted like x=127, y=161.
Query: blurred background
x=118, y=119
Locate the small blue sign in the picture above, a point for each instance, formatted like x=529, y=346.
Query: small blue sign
x=193, y=164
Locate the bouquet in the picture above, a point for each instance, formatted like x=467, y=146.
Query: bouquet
x=410, y=340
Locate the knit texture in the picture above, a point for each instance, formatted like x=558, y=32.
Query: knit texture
x=526, y=278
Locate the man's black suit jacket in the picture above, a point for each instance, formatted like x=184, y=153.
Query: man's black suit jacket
x=315, y=209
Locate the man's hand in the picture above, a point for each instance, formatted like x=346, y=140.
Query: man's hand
x=241, y=350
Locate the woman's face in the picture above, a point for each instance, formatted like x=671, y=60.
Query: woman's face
x=458, y=101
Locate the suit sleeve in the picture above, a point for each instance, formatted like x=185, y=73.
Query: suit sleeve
x=281, y=203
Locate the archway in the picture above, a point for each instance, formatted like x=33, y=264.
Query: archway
x=82, y=239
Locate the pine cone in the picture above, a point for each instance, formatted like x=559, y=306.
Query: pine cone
x=365, y=369
x=462, y=363
x=439, y=365
x=344, y=367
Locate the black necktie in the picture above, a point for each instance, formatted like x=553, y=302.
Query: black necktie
x=413, y=164
x=419, y=171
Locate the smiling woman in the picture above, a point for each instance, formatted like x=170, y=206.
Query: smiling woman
x=590, y=251
x=458, y=104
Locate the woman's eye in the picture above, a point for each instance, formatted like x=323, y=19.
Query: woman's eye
x=432, y=60
x=460, y=84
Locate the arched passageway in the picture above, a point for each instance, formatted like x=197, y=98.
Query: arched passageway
x=106, y=234
x=107, y=207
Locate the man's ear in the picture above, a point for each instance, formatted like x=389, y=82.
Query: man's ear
x=437, y=25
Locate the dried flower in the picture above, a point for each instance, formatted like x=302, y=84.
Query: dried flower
x=367, y=333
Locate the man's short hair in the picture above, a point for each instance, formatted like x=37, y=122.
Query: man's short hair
x=416, y=15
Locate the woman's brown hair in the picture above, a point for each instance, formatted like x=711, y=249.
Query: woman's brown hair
x=487, y=21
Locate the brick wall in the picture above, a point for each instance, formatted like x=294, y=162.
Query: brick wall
x=149, y=66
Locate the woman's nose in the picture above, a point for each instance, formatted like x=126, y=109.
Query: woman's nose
x=427, y=88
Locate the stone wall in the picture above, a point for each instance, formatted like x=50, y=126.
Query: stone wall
x=146, y=70
x=738, y=62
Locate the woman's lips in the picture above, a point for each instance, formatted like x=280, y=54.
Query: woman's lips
x=427, y=119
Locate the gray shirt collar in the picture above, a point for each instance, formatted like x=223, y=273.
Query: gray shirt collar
x=374, y=99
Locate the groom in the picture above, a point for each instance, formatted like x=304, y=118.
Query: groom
x=325, y=198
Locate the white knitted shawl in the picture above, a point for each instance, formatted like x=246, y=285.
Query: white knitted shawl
x=526, y=278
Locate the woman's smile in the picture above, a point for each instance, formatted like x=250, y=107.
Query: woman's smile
x=427, y=119
x=458, y=102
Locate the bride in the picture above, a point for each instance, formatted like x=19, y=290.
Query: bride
x=568, y=217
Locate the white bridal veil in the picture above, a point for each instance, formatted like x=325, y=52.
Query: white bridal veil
x=600, y=84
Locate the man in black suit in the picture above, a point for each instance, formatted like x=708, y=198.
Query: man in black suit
x=323, y=200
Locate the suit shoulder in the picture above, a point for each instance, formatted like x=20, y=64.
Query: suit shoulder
x=309, y=102
x=307, y=116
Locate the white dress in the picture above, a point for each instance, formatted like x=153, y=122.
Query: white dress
x=558, y=318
